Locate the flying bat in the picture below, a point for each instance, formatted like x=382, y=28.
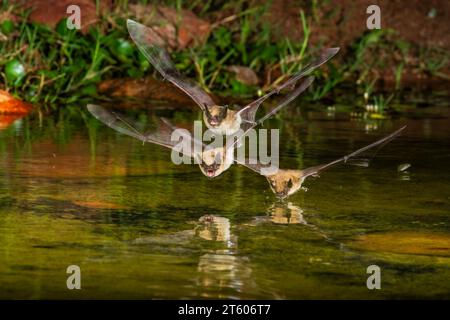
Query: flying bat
x=286, y=182
x=218, y=118
x=162, y=136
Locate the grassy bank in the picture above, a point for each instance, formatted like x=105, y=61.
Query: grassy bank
x=53, y=67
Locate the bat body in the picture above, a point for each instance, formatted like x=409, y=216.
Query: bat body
x=218, y=118
x=215, y=161
x=285, y=183
x=230, y=123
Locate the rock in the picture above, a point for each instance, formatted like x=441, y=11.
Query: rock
x=178, y=29
x=11, y=105
x=244, y=74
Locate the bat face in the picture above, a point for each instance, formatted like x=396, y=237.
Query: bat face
x=214, y=115
x=213, y=162
x=285, y=182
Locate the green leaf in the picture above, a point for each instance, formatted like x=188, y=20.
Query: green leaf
x=7, y=26
x=90, y=90
x=15, y=72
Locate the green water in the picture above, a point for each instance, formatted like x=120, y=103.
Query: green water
x=73, y=192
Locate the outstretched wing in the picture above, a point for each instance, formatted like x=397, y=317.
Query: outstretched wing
x=150, y=44
x=248, y=112
x=247, y=126
x=361, y=157
x=294, y=94
x=161, y=136
x=253, y=165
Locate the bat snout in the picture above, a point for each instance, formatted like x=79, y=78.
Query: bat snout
x=214, y=121
x=210, y=173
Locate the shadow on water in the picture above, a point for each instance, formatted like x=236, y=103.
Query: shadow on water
x=75, y=192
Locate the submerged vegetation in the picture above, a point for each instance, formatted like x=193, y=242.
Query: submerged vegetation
x=56, y=66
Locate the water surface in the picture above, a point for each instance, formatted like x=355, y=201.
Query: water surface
x=74, y=192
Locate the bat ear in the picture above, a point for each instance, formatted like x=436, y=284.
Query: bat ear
x=207, y=110
x=224, y=111
x=218, y=157
x=290, y=184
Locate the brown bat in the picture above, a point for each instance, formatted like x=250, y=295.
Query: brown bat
x=219, y=118
x=211, y=161
x=286, y=182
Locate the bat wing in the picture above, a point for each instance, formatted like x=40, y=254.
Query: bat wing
x=246, y=126
x=150, y=44
x=254, y=165
x=360, y=157
x=284, y=102
x=194, y=145
x=248, y=112
x=161, y=136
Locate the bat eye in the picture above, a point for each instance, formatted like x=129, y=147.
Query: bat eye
x=290, y=184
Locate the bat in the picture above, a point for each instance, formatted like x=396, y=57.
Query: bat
x=212, y=161
x=218, y=118
x=286, y=182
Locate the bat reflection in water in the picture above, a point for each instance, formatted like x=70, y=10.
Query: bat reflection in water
x=212, y=161
x=220, y=119
x=285, y=183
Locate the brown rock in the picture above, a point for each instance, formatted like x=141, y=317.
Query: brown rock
x=11, y=105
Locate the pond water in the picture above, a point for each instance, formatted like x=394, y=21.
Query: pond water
x=74, y=192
